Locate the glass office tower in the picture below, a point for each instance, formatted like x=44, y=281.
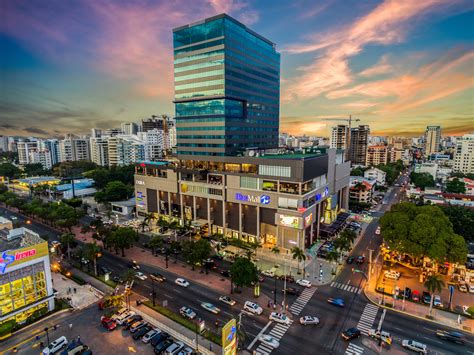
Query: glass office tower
x=227, y=88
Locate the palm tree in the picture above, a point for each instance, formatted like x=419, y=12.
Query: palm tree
x=275, y=250
x=129, y=275
x=149, y=217
x=155, y=243
x=91, y=252
x=67, y=239
x=300, y=255
x=434, y=283
x=332, y=256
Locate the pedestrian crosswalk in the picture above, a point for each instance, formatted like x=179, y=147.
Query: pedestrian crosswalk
x=279, y=330
x=346, y=287
x=302, y=300
x=367, y=318
x=353, y=349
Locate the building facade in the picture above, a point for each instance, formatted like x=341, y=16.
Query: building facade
x=274, y=200
x=432, y=139
x=361, y=189
x=358, y=144
x=99, y=150
x=129, y=128
x=376, y=155
x=26, y=287
x=25, y=147
x=376, y=174
x=464, y=154
x=339, y=137
x=74, y=149
x=227, y=88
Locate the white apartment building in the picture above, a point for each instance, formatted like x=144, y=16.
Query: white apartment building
x=42, y=157
x=125, y=150
x=154, y=143
x=464, y=154
x=25, y=147
x=376, y=174
x=74, y=149
x=129, y=128
x=100, y=151
x=339, y=137
x=432, y=139
x=52, y=145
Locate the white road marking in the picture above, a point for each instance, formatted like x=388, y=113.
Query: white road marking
x=258, y=335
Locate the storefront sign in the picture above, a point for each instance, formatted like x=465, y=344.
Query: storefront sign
x=308, y=219
x=229, y=338
x=263, y=199
x=289, y=221
x=139, y=182
x=8, y=257
x=323, y=195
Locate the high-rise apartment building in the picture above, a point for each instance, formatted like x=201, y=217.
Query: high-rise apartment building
x=432, y=139
x=464, y=154
x=129, y=128
x=25, y=147
x=42, y=157
x=96, y=133
x=339, y=138
x=227, y=88
x=125, y=150
x=99, y=151
x=51, y=145
x=74, y=149
x=376, y=155
x=3, y=143
x=358, y=144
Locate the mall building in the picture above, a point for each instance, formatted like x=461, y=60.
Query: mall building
x=228, y=172
x=26, y=286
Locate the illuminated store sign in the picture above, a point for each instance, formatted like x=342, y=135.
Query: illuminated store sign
x=7, y=258
x=289, y=221
x=323, y=195
x=139, y=182
x=263, y=199
x=308, y=219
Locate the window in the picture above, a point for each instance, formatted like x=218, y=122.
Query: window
x=271, y=170
x=289, y=203
x=269, y=185
x=247, y=182
x=289, y=188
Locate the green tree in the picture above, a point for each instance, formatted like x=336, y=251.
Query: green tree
x=68, y=239
x=91, y=252
x=123, y=238
x=175, y=247
x=243, y=272
x=129, y=275
x=422, y=180
x=333, y=256
x=188, y=252
x=202, y=249
x=462, y=219
x=155, y=242
x=275, y=250
x=34, y=169
x=433, y=283
x=114, y=191
x=149, y=218
x=456, y=186
x=392, y=170
x=300, y=255
x=9, y=170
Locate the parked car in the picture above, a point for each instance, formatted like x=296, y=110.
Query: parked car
x=336, y=301
x=289, y=278
x=55, y=346
x=105, y=270
x=437, y=301
x=407, y=292
x=360, y=259
x=187, y=312
x=108, y=323
x=426, y=297
x=137, y=325
x=181, y=282
x=174, y=348
x=471, y=288
x=185, y=351
x=280, y=318
x=118, y=279
x=415, y=346
x=157, y=277
x=351, y=333
x=130, y=321
x=381, y=335
x=304, y=283
x=253, y=308
x=162, y=346
x=309, y=320
x=350, y=260
x=225, y=273
x=462, y=287
x=415, y=296
x=151, y=333
x=158, y=338
x=124, y=316
x=141, y=332
x=227, y=300
x=269, y=340
x=291, y=291
x=268, y=273
x=392, y=274
x=452, y=336
x=210, y=307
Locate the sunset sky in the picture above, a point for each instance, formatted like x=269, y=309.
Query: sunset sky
x=68, y=66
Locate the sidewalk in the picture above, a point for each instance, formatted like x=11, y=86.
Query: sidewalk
x=418, y=310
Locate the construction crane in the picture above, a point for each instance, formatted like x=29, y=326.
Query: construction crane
x=348, y=138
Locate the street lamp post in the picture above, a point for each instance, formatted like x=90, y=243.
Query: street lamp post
x=47, y=335
x=153, y=294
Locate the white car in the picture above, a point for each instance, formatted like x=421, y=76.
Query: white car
x=377, y=231
x=304, y=283
x=415, y=346
x=437, y=301
x=471, y=288
x=147, y=337
x=119, y=313
x=123, y=317
x=269, y=340
x=227, y=300
x=181, y=282
x=279, y=318
x=462, y=287
x=210, y=307
x=308, y=320
x=187, y=312
x=253, y=308
x=268, y=273
x=140, y=275
x=55, y=346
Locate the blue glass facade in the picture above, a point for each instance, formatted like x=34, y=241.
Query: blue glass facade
x=227, y=88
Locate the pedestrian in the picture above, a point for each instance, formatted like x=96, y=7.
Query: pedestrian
x=78, y=338
x=210, y=346
x=75, y=290
x=41, y=345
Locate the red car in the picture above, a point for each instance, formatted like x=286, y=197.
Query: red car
x=108, y=323
x=415, y=296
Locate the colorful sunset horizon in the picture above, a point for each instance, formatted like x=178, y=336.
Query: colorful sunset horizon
x=398, y=66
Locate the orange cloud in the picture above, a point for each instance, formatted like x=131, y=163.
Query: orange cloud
x=382, y=67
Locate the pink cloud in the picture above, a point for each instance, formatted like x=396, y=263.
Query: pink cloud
x=240, y=8
x=382, y=67
x=388, y=23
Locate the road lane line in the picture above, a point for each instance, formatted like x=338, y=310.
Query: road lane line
x=258, y=335
x=381, y=319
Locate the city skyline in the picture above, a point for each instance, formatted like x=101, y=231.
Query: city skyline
x=398, y=66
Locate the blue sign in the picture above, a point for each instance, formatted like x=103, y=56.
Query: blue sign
x=6, y=260
x=263, y=199
x=451, y=291
x=231, y=335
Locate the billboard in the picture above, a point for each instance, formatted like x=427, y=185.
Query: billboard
x=10, y=258
x=289, y=221
x=229, y=338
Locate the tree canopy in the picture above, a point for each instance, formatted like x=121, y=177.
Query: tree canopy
x=35, y=169
x=462, y=219
x=72, y=168
x=243, y=272
x=422, y=180
x=358, y=171
x=392, y=170
x=9, y=170
x=456, y=186
x=114, y=191
x=422, y=231
x=103, y=176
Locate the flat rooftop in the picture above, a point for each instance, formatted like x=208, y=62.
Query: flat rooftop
x=17, y=238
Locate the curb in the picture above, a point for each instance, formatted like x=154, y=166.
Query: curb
x=414, y=315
